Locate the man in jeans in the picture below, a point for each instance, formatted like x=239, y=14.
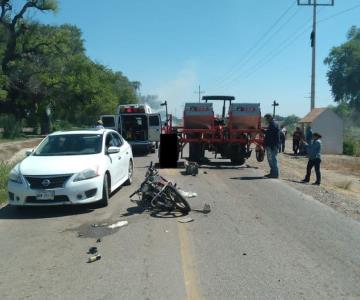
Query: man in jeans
x=271, y=143
x=314, y=153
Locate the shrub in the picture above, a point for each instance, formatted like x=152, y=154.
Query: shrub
x=351, y=147
x=12, y=127
x=59, y=125
x=4, y=173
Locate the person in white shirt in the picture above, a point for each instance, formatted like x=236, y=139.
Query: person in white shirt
x=99, y=124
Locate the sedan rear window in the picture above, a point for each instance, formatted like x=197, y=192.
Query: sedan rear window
x=70, y=144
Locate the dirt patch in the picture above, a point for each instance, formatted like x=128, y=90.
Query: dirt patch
x=8, y=151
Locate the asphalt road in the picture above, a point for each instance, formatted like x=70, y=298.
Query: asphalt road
x=262, y=240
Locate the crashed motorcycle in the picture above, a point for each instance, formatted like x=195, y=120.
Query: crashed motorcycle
x=160, y=193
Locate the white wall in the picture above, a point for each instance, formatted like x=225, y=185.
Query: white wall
x=330, y=126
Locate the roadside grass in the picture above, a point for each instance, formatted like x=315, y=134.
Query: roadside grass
x=5, y=169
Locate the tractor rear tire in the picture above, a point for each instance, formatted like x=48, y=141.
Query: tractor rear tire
x=237, y=154
x=237, y=160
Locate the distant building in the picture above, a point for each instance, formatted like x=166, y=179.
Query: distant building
x=329, y=125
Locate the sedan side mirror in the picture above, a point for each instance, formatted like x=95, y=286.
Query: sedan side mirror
x=112, y=150
x=28, y=152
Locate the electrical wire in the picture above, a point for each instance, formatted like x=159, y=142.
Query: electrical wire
x=284, y=46
x=273, y=53
x=256, y=44
x=265, y=43
x=339, y=13
x=271, y=56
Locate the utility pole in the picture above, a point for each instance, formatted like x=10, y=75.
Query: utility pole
x=274, y=104
x=315, y=4
x=199, y=92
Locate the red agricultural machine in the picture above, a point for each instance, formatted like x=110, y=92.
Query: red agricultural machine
x=230, y=134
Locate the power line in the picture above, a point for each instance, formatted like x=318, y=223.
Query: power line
x=255, y=45
x=270, y=57
x=284, y=46
x=339, y=13
x=272, y=54
x=265, y=43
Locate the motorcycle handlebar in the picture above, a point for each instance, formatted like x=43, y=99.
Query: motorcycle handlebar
x=134, y=193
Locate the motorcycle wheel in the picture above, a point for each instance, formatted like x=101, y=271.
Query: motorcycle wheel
x=179, y=201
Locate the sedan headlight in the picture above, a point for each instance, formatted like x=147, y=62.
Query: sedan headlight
x=15, y=175
x=87, y=174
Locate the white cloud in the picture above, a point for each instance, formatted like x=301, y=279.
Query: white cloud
x=179, y=90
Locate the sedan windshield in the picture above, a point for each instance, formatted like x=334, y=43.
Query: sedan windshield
x=70, y=144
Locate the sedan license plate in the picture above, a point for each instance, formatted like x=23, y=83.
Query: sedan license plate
x=45, y=195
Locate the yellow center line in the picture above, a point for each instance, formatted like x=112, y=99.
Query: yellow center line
x=188, y=266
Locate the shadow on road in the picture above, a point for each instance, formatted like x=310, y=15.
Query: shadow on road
x=10, y=212
x=166, y=214
x=135, y=210
x=221, y=165
x=296, y=181
x=293, y=156
x=248, y=178
x=140, y=209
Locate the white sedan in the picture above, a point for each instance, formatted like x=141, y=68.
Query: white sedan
x=73, y=167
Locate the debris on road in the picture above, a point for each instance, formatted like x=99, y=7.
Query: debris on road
x=205, y=210
x=98, y=240
x=186, y=220
x=92, y=250
x=191, y=168
x=94, y=258
x=99, y=225
x=205, y=172
x=118, y=224
x=187, y=194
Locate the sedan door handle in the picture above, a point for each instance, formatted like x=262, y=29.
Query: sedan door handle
x=119, y=157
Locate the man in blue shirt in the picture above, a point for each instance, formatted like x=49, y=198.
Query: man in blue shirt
x=271, y=144
x=314, y=154
x=309, y=135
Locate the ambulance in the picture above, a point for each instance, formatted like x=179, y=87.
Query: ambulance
x=137, y=124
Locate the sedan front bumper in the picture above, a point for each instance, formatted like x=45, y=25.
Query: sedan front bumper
x=79, y=192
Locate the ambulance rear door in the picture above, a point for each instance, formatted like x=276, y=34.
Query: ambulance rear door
x=154, y=127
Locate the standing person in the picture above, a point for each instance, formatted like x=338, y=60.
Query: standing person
x=271, y=143
x=99, y=124
x=282, y=138
x=308, y=135
x=308, y=138
x=297, y=136
x=314, y=154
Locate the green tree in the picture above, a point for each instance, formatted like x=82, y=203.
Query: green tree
x=290, y=122
x=344, y=70
x=45, y=69
x=13, y=28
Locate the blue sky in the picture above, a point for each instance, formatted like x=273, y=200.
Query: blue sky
x=172, y=46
